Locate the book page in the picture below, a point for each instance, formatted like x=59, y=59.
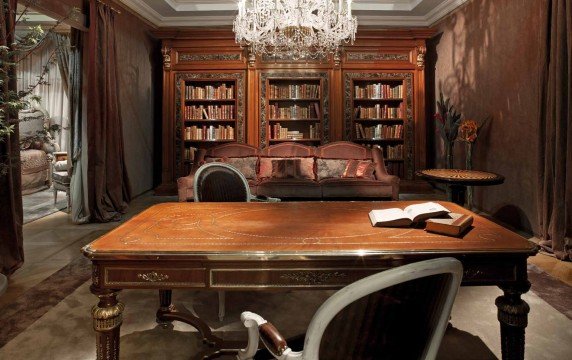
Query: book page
x=388, y=217
x=423, y=211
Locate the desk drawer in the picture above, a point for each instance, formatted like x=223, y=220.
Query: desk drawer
x=287, y=278
x=149, y=277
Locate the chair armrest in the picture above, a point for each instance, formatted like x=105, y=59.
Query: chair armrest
x=184, y=184
x=272, y=339
x=391, y=180
x=251, y=321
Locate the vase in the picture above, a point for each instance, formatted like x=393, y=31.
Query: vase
x=469, y=166
x=449, y=154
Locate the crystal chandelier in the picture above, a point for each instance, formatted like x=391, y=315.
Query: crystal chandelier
x=294, y=29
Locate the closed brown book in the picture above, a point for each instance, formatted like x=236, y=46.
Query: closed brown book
x=453, y=224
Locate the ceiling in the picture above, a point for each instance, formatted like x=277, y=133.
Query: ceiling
x=384, y=13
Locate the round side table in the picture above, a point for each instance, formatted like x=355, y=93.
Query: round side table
x=458, y=180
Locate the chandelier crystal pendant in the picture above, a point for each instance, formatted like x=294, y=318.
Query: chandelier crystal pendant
x=294, y=29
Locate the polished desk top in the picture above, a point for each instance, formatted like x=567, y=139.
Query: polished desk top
x=287, y=230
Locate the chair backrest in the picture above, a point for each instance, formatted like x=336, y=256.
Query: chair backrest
x=220, y=182
x=396, y=314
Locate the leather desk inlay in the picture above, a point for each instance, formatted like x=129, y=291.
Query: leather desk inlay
x=239, y=228
x=274, y=246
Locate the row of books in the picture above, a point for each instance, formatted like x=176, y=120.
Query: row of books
x=379, y=91
x=211, y=132
x=209, y=92
x=378, y=112
x=379, y=131
x=300, y=91
x=208, y=112
x=311, y=111
x=393, y=152
x=279, y=132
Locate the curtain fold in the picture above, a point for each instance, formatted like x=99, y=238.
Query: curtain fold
x=78, y=157
x=62, y=42
x=54, y=94
x=11, y=240
x=108, y=184
x=555, y=131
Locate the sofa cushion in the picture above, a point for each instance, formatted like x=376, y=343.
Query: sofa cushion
x=359, y=169
x=61, y=177
x=286, y=168
x=355, y=188
x=246, y=165
x=330, y=168
x=61, y=165
x=306, y=167
x=289, y=188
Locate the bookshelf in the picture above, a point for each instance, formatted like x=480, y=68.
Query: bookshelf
x=208, y=114
x=294, y=109
x=378, y=118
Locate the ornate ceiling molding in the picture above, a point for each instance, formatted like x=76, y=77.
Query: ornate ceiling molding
x=205, y=13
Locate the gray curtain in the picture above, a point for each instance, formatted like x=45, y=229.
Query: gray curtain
x=555, y=131
x=63, y=54
x=79, y=208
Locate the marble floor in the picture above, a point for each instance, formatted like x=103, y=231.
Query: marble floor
x=52, y=242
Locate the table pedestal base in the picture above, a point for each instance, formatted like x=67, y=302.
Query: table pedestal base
x=168, y=312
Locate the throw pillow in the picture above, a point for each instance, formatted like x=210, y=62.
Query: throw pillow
x=246, y=165
x=286, y=168
x=306, y=167
x=359, y=169
x=330, y=168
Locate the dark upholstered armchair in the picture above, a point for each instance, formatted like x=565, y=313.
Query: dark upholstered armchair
x=400, y=313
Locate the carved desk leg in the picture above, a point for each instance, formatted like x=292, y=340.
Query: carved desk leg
x=513, y=317
x=107, y=318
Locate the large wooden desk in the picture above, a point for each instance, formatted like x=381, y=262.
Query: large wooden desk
x=270, y=246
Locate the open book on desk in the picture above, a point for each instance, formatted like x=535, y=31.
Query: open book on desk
x=411, y=214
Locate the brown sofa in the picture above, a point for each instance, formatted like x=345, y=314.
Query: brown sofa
x=382, y=185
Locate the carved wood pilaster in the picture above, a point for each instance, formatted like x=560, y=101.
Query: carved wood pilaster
x=421, y=50
x=166, y=52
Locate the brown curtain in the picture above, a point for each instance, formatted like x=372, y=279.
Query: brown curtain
x=555, y=130
x=11, y=242
x=108, y=184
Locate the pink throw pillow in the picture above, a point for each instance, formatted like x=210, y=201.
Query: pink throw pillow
x=362, y=169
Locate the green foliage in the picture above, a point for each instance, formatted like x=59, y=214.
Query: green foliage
x=448, y=119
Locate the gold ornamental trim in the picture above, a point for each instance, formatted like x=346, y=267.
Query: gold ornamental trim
x=153, y=276
x=297, y=277
x=107, y=318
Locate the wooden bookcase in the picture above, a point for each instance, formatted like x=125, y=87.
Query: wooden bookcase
x=208, y=112
x=294, y=110
x=209, y=57
x=378, y=118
